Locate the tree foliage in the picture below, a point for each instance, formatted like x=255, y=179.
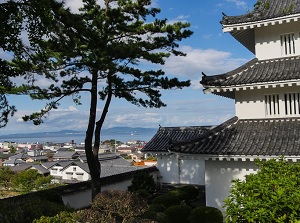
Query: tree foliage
x=24, y=182
x=270, y=195
x=6, y=175
x=103, y=50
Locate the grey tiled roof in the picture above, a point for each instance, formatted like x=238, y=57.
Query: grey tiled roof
x=268, y=9
x=255, y=71
x=66, y=155
x=107, y=170
x=41, y=169
x=166, y=135
x=272, y=137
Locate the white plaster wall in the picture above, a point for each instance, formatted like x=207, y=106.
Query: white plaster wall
x=168, y=168
x=267, y=39
x=249, y=104
x=79, y=199
x=218, y=177
x=192, y=171
x=56, y=171
x=175, y=169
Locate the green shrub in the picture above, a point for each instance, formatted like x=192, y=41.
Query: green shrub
x=156, y=207
x=62, y=217
x=191, y=191
x=142, y=180
x=178, y=213
x=270, y=195
x=181, y=195
x=27, y=208
x=143, y=193
x=167, y=200
x=206, y=214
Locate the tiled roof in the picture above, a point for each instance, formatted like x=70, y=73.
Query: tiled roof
x=166, y=135
x=255, y=71
x=41, y=169
x=115, y=170
x=270, y=137
x=268, y=9
x=65, y=154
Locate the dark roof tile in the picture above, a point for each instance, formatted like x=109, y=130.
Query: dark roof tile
x=255, y=71
x=272, y=137
x=166, y=135
x=268, y=9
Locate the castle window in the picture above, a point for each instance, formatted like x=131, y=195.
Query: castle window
x=272, y=105
x=292, y=104
x=288, y=44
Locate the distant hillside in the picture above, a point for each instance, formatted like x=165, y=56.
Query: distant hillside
x=62, y=133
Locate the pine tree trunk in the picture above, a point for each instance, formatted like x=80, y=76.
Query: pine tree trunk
x=91, y=156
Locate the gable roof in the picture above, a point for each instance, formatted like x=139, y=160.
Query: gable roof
x=265, y=13
x=265, y=9
x=166, y=135
x=244, y=137
x=40, y=169
x=83, y=166
x=256, y=73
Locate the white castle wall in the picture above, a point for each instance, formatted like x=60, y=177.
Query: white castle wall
x=268, y=44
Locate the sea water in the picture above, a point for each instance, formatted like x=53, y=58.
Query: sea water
x=79, y=138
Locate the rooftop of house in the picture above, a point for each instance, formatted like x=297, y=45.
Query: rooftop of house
x=66, y=155
x=256, y=72
x=241, y=137
x=108, y=167
x=265, y=9
x=165, y=135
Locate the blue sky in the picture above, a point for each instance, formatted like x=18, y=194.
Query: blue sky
x=209, y=50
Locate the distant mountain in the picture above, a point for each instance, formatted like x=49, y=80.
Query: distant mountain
x=62, y=133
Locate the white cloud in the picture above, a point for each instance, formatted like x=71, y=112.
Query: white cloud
x=209, y=61
x=74, y=5
x=207, y=36
x=154, y=4
x=238, y=3
x=181, y=17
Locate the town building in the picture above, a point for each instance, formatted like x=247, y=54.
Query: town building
x=266, y=91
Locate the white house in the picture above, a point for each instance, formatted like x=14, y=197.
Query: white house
x=266, y=91
x=55, y=168
x=76, y=171
x=71, y=171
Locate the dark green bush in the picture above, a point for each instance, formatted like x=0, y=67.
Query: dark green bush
x=143, y=193
x=206, y=214
x=191, y=191
x=27, y=208
x=167, y=200
x=178, y=213
x=155, y=212
x=142, y=180
x=181, y=195
x=156, y=207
